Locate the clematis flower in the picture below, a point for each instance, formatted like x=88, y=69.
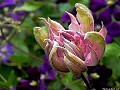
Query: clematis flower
x=76, y=48
x=107, y=11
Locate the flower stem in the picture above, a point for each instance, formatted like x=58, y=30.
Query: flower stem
x=86, y=82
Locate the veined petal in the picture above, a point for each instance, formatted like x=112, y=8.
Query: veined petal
x=55, y=26
x=74, y=59
x=96, y=41
x=56, y=58
x=74, y=69
x=84, y=17
x=74, y=24
x=91, y=59
x=78, y=52
x=40, y=35
x=103, y=31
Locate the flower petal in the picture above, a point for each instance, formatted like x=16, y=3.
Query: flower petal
x=105, y=16
x=113, y=29
x=91, y=59
x=84, y=17
x=55, y=26
x=56, y=58
x=74, y=59
x=40, y=35
x=96, y=5
x=96, y=41
x=75, y=70
x=103, y=31
x=73, y=48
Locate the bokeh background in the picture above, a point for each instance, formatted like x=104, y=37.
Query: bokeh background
x=23, y=63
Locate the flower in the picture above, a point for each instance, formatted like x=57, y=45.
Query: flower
x=107, y=7
x=7, y=3
x=76, y=48
x=97, y=77
x=38, y=78
x=107, y=11
x=5, y=52
x=18, y=15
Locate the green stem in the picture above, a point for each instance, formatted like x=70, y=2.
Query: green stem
x=3, y=78
x=86, y=82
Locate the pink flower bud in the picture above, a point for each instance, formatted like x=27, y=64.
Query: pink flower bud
x=76, y=48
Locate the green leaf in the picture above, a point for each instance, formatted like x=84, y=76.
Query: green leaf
x=117, y=40
x=64, y=7
x=4, y=85
x=19, y=59
x=72, y=2
x=29, y=6
x=67, y=78
x=12, y=78
x=71, y=83
x=111, y=58
x=52, y=85
x=5, y=71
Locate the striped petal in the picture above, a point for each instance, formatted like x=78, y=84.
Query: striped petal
x=96, y=41
x=84, y=17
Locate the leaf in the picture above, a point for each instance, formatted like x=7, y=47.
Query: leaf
x=19, y=59
x=72, y=2
x=5, y=71
x=12, y=80
x=64, y=7
x=111, y=58
x=29, y=6
x=52, y=85
x=72, y=84
x=4, y=85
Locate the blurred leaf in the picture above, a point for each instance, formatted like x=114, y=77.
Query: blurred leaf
x=117, y=40
x=64, y=7
x=72, y=84
x=28, y=23
x=112, y=50
x=29, y=6
x=67, y=78
x=4, y=85
x=72, y=2
x=19, y=59
x=111, y=58
x=52, y=85
x=5, y=71
x=12, y=78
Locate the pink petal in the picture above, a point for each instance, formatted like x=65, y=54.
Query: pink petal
x=96, y=41
x=84, y=17
x=55, y=26
x=91, y=59
x=103, y=31
x=74, y=24
x=56, y=58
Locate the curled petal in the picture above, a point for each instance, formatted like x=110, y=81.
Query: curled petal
x=74, y=24
x=74, y=59
x=75, y=70
x=55, y=26
x=78, y=52
x=96, y=41
x=40, y=35
x=56, y=58
x=91, y=59
x=103, y=31
x=84, y=17
x=45, y=22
